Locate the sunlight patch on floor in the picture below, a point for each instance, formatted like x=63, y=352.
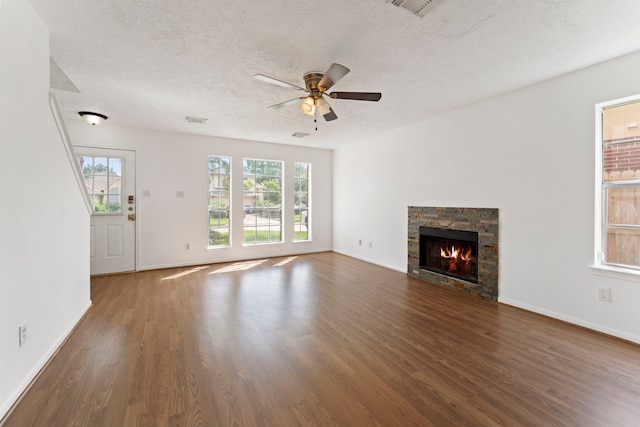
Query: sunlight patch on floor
x=184, y=273
x=239, y=266
x=285, y=261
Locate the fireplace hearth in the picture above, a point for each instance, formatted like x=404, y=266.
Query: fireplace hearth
x=455, y=247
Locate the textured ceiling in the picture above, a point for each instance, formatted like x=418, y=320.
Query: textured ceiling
x=150, y=63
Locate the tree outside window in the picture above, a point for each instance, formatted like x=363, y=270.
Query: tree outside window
x=262, y=201
x=301, y=174
x=219, y=201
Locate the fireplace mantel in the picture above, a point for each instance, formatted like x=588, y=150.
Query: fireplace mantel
x=484, y=221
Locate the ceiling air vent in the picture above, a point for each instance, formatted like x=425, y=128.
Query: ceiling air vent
x=299, y=134
x=416, y=7
x=197, y=120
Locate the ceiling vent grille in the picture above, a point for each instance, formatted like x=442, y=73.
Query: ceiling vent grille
x=197, y=120
x=416, y=7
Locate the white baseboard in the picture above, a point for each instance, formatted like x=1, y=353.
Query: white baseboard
x=33, y=373
x=371, y=261
x=229, y=259
x=573, y=320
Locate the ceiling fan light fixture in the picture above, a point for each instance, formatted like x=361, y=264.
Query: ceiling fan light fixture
x=92, y=118
x=308, y=106
x=323, y=106
x=316, y=85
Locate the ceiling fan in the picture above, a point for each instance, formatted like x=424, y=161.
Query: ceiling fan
x=316, y=85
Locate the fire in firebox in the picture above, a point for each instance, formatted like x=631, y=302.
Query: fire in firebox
x=458, y=260
x=450, y=252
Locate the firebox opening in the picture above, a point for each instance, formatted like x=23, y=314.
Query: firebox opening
x=450, y=252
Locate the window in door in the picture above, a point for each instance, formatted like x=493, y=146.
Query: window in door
x=219, y=201
x=262, y=201
x=301, y=174
x=103, y=178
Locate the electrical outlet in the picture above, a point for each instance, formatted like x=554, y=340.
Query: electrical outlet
x=187, y=246
x=370, y=244
x=22, y=335
x=360, y=242
x=604, y=294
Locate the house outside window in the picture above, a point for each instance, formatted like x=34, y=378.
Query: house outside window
x=219, y=201
x=301, y=175
x=618, y=242
x=103, y=178
x=262, y=201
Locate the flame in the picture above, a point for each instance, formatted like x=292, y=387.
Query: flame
x=464, y=255
x=445, y=253
x=459, y=259
x=467, y=255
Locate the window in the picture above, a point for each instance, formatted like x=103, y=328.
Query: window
x=262, y=201
x=219, y=200
x=301, y=172
x=619, y=216
x=103, y=178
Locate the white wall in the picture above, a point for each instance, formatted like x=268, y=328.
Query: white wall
x=44, y=224
x=530, y=153
x=170, y=162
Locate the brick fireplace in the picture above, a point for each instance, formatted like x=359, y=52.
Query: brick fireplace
x=483, y=221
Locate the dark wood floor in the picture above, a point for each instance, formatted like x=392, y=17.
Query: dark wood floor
x=323, y=340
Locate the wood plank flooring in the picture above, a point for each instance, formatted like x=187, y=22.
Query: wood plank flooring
x=323, y=340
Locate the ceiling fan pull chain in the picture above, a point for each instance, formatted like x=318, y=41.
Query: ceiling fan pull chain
x=315, y=116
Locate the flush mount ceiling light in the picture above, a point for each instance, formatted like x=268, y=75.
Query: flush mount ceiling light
x=92, y=118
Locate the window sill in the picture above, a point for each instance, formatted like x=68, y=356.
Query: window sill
x=214, y=248
x=251, y=245
x=616, y=272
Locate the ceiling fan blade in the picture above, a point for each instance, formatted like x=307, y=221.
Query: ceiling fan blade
x=332, y=76
x=358, y=96
x=276, y=82
x=285, y=103
x=330, y=115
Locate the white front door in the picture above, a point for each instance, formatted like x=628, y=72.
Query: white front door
x=109, y=176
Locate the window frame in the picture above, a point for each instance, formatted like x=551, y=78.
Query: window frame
x=601, y=224
x=92, y=194
x=262, y=209
x=297, y=226
x=229, y=207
